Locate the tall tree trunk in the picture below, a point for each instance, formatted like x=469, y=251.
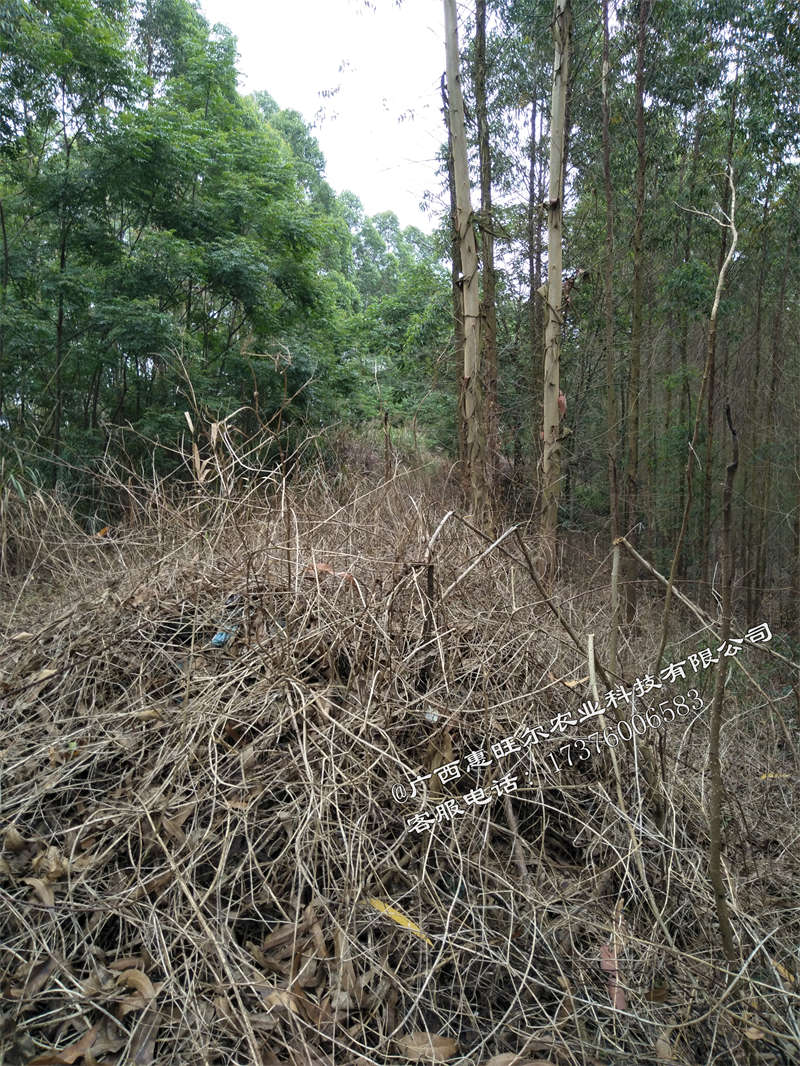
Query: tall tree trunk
x=650, y=451
x=4, y=293
x=715, y=800
x=534, y=265
x=794, y=618
x=551, y=460
x=772, y=402
x=536, y=303
x=608, y=335
x=59, y=382
x=752, y=431
x=705, y=536
x=488, y=304
x=632, y=464
x=458, y=317
x=682, y=343
x=691, y=451
x=470, y=282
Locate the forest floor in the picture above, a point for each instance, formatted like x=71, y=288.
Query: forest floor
x=219, y=720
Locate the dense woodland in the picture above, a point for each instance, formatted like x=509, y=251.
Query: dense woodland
x=165, y=240
x=400, y=630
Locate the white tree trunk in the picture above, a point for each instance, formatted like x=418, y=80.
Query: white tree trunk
x=551, y=463
x=470, y=287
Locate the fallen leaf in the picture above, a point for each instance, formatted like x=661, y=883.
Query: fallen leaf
x=319, y=940
x=143, y=1038
x=282, y=935
x=753, y=1034
x=139, y=980
x=148, y=714
x=51, y=864
x=427, y=1047
x=315, y=569
x=608, y=960
x=43, y=675
x=279, y=997
x=774, y=777
x=25, y=635
x=567, y=684
x=36, y=981
x=42, y=890
x=657, y=994
x=513, y=1059
x=784, y=973
x=399, y=918
x=130, y=962
x=102, y=532
x=13, y=839
x=608, y=963
x=69, y=1054
x=664, y=1048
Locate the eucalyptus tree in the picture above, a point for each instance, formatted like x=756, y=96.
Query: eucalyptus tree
x=551, y=460
x=469, y=281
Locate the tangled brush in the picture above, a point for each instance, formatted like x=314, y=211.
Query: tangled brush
x=205, y=860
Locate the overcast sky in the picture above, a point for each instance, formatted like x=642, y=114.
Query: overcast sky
x=381, y=130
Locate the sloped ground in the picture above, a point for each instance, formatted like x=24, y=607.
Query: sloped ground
x=205, y=859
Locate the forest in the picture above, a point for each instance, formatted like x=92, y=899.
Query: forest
x=401, y=629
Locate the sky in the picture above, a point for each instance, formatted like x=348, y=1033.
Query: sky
x=382, y=126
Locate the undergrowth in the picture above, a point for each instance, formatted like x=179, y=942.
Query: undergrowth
x=207, y=715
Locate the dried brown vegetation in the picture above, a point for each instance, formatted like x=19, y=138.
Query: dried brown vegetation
x=192, y=835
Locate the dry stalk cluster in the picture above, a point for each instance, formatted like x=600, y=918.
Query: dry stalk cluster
x=202, y=861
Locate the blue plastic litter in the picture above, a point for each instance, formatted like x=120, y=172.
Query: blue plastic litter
x=219, y=640
x=230, y=625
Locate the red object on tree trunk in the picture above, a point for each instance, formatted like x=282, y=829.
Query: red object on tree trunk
x=562, y=404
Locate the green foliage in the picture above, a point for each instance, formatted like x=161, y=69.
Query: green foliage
x=167, y=244
x=184, y=220
x=689, y=288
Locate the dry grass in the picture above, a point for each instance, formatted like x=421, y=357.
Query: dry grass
x=192, y=834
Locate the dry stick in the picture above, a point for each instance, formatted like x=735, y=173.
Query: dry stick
x=614, y=637
x=711, y=347
x=430, y=586
x=715, y=844
x=519, y=855
x=245, y=1017
x=702, y=616
x=649, y=760
x=475, y=562
x=709, y=623
x=733, y=982
x=387, y=447
x=542, y=592
x=635, y=846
